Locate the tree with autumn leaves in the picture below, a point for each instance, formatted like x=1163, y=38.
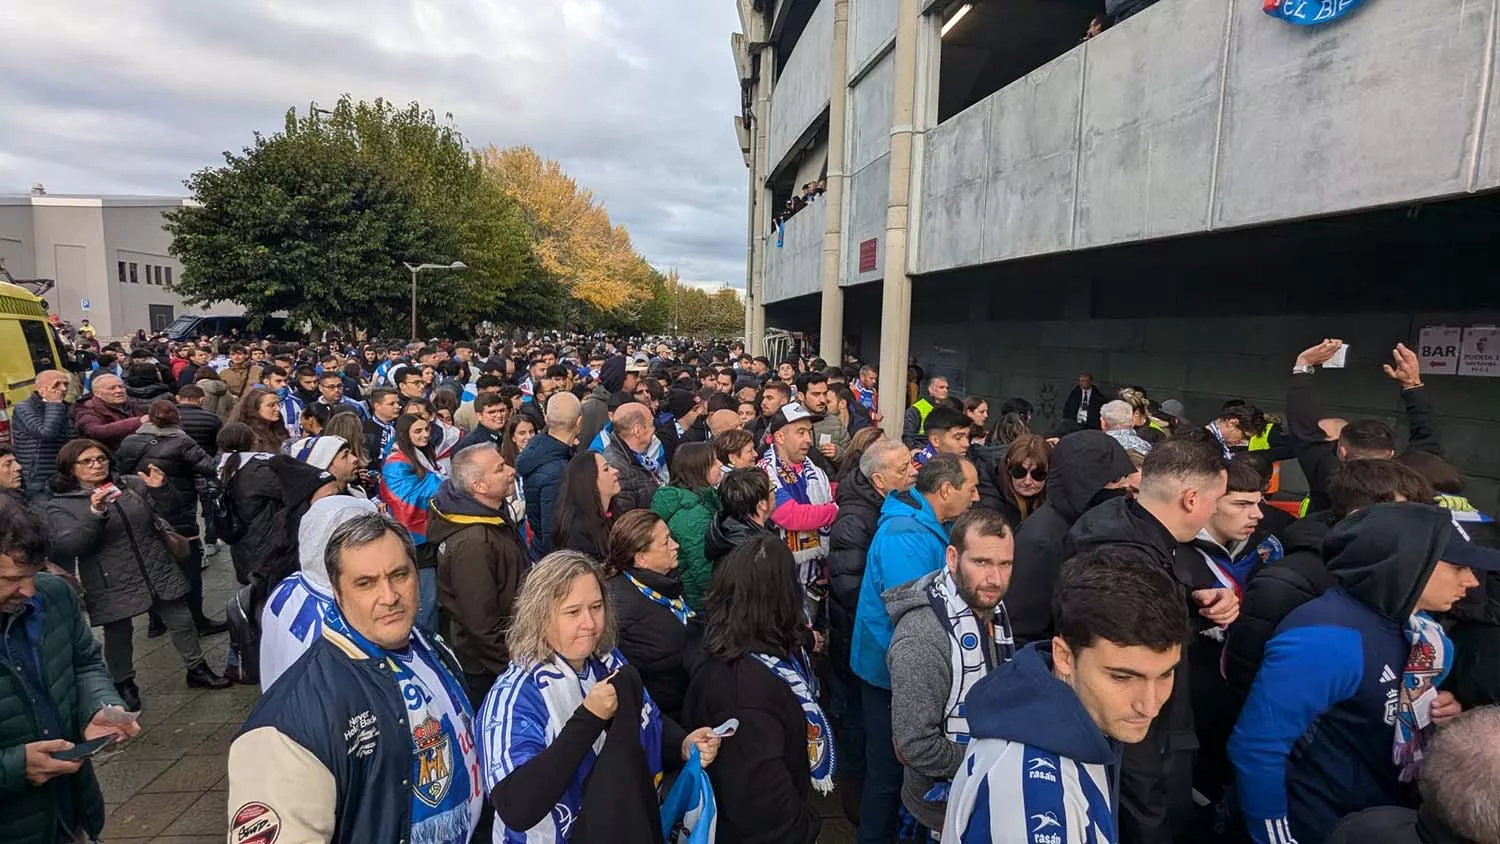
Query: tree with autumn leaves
x=317, y=220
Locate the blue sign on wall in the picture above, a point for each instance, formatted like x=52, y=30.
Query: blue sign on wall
x=1309, y=12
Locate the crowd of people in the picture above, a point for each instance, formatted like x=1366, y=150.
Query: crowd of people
x=509, y=590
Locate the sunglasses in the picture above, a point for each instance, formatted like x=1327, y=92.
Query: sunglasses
x=1038, y=474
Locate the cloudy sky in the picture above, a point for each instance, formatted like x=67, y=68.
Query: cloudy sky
x=634, y=97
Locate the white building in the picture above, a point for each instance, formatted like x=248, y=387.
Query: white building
x=107, y=255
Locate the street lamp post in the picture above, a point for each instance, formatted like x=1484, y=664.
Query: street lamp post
x=416, y=268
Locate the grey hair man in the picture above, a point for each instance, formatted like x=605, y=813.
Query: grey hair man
x=1117, y=418
x=481, y=560
x=1460, y=789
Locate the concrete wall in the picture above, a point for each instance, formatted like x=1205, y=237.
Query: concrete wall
x=136, y=234
x=801, y=92
x=794, y=269
x=870, y=102
x=70, y=247
x=1198, y=114
x=872, y=28
x=16, y=241
x=1188, y=359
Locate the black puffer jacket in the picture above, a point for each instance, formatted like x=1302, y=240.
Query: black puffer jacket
x=202, y=425
x=1082, y=463
x=146, y=390
x=637, y=486
x=726, y=533
x=181, y=459
x=1271, y=595
x=848, y=543
x=121, y=558
x=651, y=637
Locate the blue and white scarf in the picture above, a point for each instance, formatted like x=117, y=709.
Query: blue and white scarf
x=969, y=654
x=821, y=761
x=1427, y=665
x=676, y=605
x=1213, y=428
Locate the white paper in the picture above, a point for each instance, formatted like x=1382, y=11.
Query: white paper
x=1437, y=349
x=1480, y=355
x=825, y=439
x=1337, y=361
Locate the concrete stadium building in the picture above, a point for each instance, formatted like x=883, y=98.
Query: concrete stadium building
x=1182, y=202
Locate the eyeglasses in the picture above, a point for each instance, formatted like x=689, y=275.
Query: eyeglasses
x=1038, y=474
x=93, y=461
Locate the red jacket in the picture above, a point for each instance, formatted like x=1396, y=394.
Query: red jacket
x=109, y=425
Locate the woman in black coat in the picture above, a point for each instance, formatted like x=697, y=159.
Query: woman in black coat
x=107, y=525
x=161, y=442
x=589, y=483
x=654, y=621
x=755, y=669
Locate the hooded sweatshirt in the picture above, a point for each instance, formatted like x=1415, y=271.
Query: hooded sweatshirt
x=1082, y=463
x=1038, y=770
x=1334, y=670
x=292, y=618
x=909, y=543
x=921, y=660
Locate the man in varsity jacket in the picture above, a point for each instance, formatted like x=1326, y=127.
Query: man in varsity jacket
x=1047, y=728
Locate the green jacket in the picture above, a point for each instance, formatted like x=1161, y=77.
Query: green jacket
x=688, y=514
x=79, y=686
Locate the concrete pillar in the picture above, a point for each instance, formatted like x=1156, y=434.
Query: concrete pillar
x=895, y=302
x=831, y=326
x=755, y=327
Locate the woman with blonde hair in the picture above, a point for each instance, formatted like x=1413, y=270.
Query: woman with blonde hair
x=1145, y=427
x=549, y=721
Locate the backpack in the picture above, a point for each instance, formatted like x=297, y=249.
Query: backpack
x=222, y=514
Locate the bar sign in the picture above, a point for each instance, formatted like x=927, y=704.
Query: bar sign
x=867, y=254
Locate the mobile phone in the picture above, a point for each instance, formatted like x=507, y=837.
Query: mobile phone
x=111, y=492
x=83, y=751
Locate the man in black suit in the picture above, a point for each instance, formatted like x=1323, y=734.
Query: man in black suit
x=1082, y=406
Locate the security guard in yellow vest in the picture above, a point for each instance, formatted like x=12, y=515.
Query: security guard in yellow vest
x=914, y=424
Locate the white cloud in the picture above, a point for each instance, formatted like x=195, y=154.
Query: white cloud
x=634, y=97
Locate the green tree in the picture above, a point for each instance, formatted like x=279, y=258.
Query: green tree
x=317, y=219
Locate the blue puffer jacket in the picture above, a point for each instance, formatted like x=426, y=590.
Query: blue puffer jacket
x=39, y=430
x=541, y=466
x=909, y=543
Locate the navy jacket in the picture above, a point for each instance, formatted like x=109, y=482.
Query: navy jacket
x=541, y=466
x=346, y=709
x=1314, y=740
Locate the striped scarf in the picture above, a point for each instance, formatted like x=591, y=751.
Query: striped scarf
x=821, y=761
x=1427, y=666
x=676, y=605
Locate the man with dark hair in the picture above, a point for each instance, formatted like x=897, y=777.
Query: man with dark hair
x=1046, y=727
x=746, y=500
x=947, y=433
x=950, y=631
x=56, y=691
x=914, y=423
x=1235, y=425
x=1322, y=442
x=373, y=711
x=305, y=384
x=1459, y=784
x=331, y=394
x=380, y=427
x=241, y=375
x=1359, y=667
x=409, y=383
x=1081, y=408
x=1182, y=481
x=911, y=541
x=489, y=383
x=491, y=413
x=1302, y=575
x=773, y=396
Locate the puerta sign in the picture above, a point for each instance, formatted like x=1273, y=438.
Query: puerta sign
x=1309, y=12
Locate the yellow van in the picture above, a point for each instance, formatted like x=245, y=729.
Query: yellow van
x=27, y=346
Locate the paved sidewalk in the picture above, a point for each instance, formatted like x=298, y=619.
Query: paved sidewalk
x=168, y=785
